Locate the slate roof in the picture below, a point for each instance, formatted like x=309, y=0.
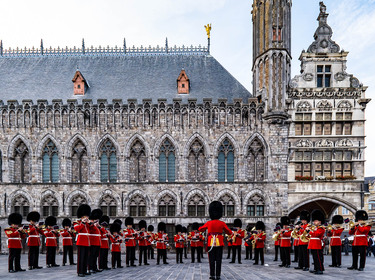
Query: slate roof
x=117, y=77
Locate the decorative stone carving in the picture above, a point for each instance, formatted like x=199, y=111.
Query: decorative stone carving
x=344, y=106
x=324, y=143
x=304, y=143
x=304, y=106
x=340, y=76
x=324, y=105
x=344, y=143
x=354, y=83
x=308, y=77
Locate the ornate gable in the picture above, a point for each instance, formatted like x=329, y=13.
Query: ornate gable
x=183, y=83
x=80, y=85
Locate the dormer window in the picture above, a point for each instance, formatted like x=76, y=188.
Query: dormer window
x=323, y=76
x=80, y=85
x=183, y=83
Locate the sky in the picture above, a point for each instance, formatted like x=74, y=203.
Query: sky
x=150, y=22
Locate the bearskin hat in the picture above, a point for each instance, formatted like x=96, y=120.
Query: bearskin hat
x=248, y=227
x=195, y=226
x=216, y=210
x=50, y=221
x=142, y=224
x=285, y=220
x=115, y=227
x=129, y=221
x=260, y=225
x=118, y=221
x=150, y=228
x=104, y=220
x=66, y=222
x=361, y=215
x=162, y=226
x=184, y=229
x=304, y=215
x=15, y=219
x=237, y=223
x=337, y=219
x=83, y=210
x=96, y=214
x=33, y=216
x=317, y=215
x=178, y=228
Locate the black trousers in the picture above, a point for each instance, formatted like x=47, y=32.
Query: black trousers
x=68, y=250
x=236, y=249
x=93, y=257
x=179, y=253
x=82, y=259
x=51, y=255
x=229, y=250
x=361, y=250
x=116, y=259
x=303, y=256
x=277, y=247
x=200, y=251
x=150, y=252
x=14, y=258
x=296, y=253
x=33, y=256
x=215, y=256
x=185, y=252
x=161, y=253
x=249, y=252
x=193, y=250
x=130, y=255
x=103, y=258
x=318, y=259
x=259, y=252
x=143, y=253
x=336, y=255
x=285, y=255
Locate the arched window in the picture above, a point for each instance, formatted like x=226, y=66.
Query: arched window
x=21, y=205
x=50, y=162
x=21, y=163
x=255, y=206
x=196, y=162
x=75, y=203
x=226, y=162
x=371, y=205
x=196, y=206
x=167, y=162
x=108, y=162
x=137, y=162
x=80, y=163
x=108, y=205
x=228, y=205
x=167, y=206
x=50, y=206
x=137, y=206
x=256, y=161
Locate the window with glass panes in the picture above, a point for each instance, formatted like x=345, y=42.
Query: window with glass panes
x=21, y=205
x=79, y=163
x=50, y=206
x=138, y=162
x=343, y=165
x=228, y=205
x=167, y=206
x=323, y=124
x=323, y=163
x=303, y=161
x=50, y=163
x=21, y=163
x=137, y=206
x=226, y=162
x=371, y=205
x=167, y=165
x=303, y=124
x=323, y=76
x=255, y=206
x=343, y=123
x=108, y=205
x=76, y=201
x=108, y=162
x=196, y=206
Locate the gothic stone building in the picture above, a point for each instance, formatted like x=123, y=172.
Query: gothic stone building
x=159, y=133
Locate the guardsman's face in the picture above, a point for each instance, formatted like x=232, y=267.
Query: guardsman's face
x=304, y=222
x=66, y=227
x=143, y=229
x=32, y=222
x=317, y=223
x=129, y=226
x=14, y=226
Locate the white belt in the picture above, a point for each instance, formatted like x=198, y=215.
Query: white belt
x=67, y=238
x=360, y=235
x=335, y=237
x=285, y=237
x=104, y=238
x=129, y=238
x=14, y=238
x=315, y=238
x=51, y=237
x=83, y=233
x=95, y=234
x=37, y=236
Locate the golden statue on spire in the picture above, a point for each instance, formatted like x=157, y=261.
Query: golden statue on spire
x=208, y=30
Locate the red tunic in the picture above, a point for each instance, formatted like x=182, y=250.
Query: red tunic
x=104, y=238
x=302, y=229
x=130, y=236
x=248, y=241
x=51, y=236
x=150, y=238
x=142, y=238
x=67, y=238
x=95, y=235
x=34, y=236
x=316, y=237
x=215, y=230
x=360, y=235
x=259, y=240
x=335, y=235
x=82, y=230
x=285, y=236
x=179, y=241
x=295, y=242
x=239, y=235
x=196, y=239
x=14, y=238
x=161, y=240
x=116, y=243
x=277, y=241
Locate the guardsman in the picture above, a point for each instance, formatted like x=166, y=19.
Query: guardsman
x=248, y=245
x=51, y=234
x=184, y=233
x=116, y=240
x=95, y=240
x=360, y=230
x=296, y=241
x=196, y=242
x=201, y=244
x=104, y=247
x=67, y=241
x=285, y=242
x=130, y=236
x=215, y=238
x=33, y=239
x=237, y=236
x=277, y=241
x=150, y=249
x=143, y=240
x=15, y=235
x=179, y=241
x=303, y=254
x=83, y=239
x=335, y=243
x=229, y=245
x=161, y=243
x=259, y=239
x=316, y=233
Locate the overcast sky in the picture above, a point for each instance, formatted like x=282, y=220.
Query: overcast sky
x=149, y=22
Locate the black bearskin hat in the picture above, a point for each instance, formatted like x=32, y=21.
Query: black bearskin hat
x=129, y=221
x=66, y=222
x=237, y=223
x=142, y=224
x=361, y=215
x=118, y=221
x=96, y=214
x=304, y=215
x=150, y=228
x=33, y=216
x=337, y=219
x=318, y=215
x=115, y=227
x=184, y=229
x=83, y=210
x=162, y=226
x=104, y=220
x=50, y=221
x=15, y=219
x=260, y=225
x=195, y=226
x=178, y=228
x=216, y=210
x=285, y=220
x=248, y=227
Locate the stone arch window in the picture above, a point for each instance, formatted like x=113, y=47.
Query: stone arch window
x=196, y=162
x=226, y=162
x=228, y=205
x=21, y=205
x=50, y=160
x=255, y=206
x=50, y=206
x=137, y=206
x=75, y=203
x=108, y=162
x=137, y=162
x=80, y=163
x=167, y=165
x=256, y=161
x=196, y=206
x=108, y=205
x=167, y=206
x=21, y=163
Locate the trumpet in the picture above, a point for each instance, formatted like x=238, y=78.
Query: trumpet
x=362, y=223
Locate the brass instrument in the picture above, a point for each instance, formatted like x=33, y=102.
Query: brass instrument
x=295, y=233
x=276, y=235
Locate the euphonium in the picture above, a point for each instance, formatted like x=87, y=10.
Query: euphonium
x=275, y=236
x=351, y=224
x=295, y=233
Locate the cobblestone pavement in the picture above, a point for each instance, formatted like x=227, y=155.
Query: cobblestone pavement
x=190, y=271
